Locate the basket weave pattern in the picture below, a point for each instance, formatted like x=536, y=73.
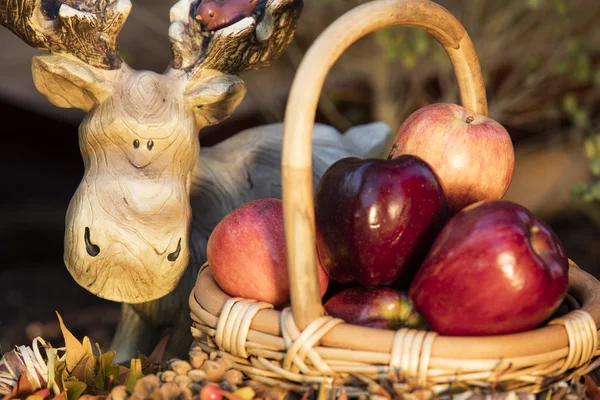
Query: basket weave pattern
x=299, y=345
x=295, y=358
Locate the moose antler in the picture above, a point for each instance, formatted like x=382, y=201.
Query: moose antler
x=250, y=43
x=86, y=29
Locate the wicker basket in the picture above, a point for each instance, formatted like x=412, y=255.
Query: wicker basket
x=300, y=345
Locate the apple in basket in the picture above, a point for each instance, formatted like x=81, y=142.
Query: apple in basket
x=376, y=219
x=247, y=256
x=472, y=154
x=494, y=269
x=378, y=307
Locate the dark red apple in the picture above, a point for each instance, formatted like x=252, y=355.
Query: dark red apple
x=472, y=154
x=379, y=307
x=247, y=255
x=376, y=219
x=494, y=269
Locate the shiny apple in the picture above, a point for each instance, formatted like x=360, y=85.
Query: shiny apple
x=472, y=154
x=247, y=255
x=494, y=269
x=376, y=219
x=378, y=307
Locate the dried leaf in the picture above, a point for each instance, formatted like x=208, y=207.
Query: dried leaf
x=34, y=397
x=74, y=388
x=43, y=393
x=307, y=394
x=75, y=350
x=322, y=392
x=343, y=396
x=87, y=346
x=135, y=373
x=85, y=370
x=61, y=396
x=157, y=355
x=590, y=388
x=22, y=389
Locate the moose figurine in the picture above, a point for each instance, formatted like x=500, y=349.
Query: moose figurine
x=138, y=224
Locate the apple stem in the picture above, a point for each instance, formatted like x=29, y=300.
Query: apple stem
x=470, y=119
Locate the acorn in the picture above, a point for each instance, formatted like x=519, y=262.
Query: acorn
x=234, y=377
x=197, y=375
x=170, y=391
x=118, y=393
x=180, y=367
x=144, y=386
x=215, y=369
x=167, y=376
x=183, y=381
x=197, y=358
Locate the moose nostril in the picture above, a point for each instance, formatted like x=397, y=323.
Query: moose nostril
x=212, y=15
x=150, y=144
x=174, y=255
x=136, y=144
x=91, y=248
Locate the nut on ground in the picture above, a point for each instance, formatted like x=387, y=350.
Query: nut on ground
x=215, y=369
x=197, y=375
x=170, y=391
x=183, y=381
x=118, y=393
x=180, y=367
x=197, y=358
x=167, y=376
x=234, y=377
x=144, y=386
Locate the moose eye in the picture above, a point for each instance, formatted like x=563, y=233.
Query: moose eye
x=150, y=144
x=136, y=144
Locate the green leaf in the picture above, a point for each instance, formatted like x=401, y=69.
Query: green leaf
x=583, y=68
x=560, y=6
x=135, y=373
x=533, y=4
x=569, y=103
x=421, y=43
x=74, y=388
x=590, y=148
x=595, y=166
x=596, y=78
x=106, y=369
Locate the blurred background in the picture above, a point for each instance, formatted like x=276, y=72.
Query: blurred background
x=541, y=62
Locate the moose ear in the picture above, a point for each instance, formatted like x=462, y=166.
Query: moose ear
x=214, y=96
x=70, y=83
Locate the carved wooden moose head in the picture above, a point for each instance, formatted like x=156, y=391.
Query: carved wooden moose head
x=127, y=226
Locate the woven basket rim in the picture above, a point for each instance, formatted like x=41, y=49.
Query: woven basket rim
x=584, y=287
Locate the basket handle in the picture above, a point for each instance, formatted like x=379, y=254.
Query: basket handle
x=297, y=185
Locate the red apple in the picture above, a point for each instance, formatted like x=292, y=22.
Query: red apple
x=472, y=154
x=379, y=307
x=494, y=269
x=376, y=219
x=247, y=256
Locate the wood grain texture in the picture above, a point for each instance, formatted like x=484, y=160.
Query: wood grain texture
x=301, y=110
x=245, y=167
x=83, y=29
x=251, y=43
